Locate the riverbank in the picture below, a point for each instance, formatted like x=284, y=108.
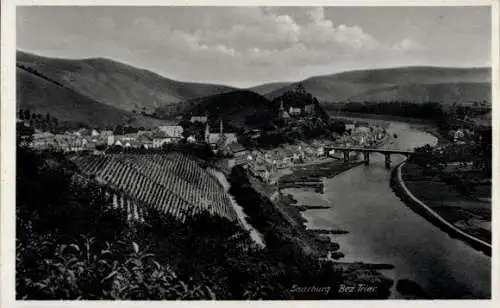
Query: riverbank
x=311, y=176
x=286, y=237
x=435, y=201
x=305, y=180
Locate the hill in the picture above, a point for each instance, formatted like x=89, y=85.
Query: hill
x=41, y=95
x=117, y=84
x=412, y=83
x=237, y=108
x=266, y=88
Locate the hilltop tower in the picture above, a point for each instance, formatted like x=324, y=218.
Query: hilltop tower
x=281, y=106
x=207, y=133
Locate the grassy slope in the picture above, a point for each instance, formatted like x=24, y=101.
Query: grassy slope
x=42, y=96
x=263, y=89
x=117, y=84
x=399, y=83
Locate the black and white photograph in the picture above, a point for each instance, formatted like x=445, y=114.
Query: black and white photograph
x=250, y=152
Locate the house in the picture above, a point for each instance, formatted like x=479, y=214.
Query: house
x=201, y=119
x=107, y=136
x=83, y=132
x=213, y=139
x=173, y=132
x=239, y=153
x=309, y=109
x=164, y=136
x=43, y=141
x=255, y=133
x=294, y=111
x=106, y=133
x=191, y=139
x=110, y=140
x=363, y=129
x=285, y=116
x=146, y=142
x=350, y=127
x=159, y=139
x=94, y=133
x=260, y=171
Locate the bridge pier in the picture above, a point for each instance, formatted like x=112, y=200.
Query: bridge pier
x=346, y=156
x=366, y=156
x=387, y=160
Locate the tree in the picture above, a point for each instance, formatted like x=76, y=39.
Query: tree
x=27, y=114
x=56, y=123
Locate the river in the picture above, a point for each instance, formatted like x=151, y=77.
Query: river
x=382, y=229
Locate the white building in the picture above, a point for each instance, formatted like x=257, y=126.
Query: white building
x=294, y=111
x=110, y=140
x=159, y=142
x=201, y=119
x=191, y=139
x=172, y=131
x=349, y=127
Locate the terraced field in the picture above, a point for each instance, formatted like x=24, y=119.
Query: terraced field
x=170, y=183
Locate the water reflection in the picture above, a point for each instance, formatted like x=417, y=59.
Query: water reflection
x=382, y=229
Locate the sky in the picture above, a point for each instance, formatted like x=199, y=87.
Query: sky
x=246, y=46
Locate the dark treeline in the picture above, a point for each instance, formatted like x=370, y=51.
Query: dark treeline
x=429, y=110
x=43, y=122
x=39, y=74
x=47, y=122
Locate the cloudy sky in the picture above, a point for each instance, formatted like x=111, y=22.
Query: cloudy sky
x=245, y=46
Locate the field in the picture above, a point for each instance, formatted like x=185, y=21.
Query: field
x=173, y=184
x=467, y=213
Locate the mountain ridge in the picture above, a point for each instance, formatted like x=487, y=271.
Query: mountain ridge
x=117, y=84
x=43, y=96
x=345, y=86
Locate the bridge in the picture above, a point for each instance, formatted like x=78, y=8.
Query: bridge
x=366, y=153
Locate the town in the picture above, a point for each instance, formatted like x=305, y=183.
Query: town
x=262, y=163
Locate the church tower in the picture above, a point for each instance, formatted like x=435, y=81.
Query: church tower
x=221, y=128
